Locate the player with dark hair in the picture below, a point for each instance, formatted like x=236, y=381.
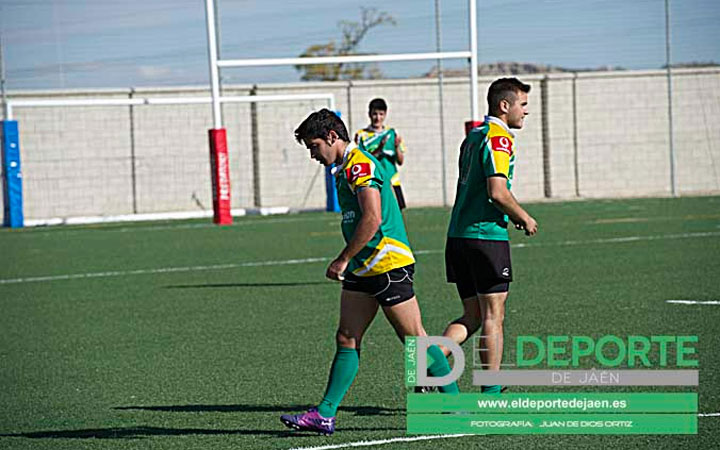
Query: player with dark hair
x=384, y=143
x=477, y=252
x=376, y=265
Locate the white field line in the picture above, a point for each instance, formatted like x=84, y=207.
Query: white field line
x=694, y=302
x=382, y=442
x=414, y=439
x=121, y=273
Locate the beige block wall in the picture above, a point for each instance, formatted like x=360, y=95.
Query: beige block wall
x=76, y=160
x=696, y=107
x=622, y=136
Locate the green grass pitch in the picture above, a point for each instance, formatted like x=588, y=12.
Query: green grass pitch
x=169, y=335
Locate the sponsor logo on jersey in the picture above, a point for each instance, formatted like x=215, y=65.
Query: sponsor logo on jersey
x=348, y=216
x=358, y=170
x=501, y=144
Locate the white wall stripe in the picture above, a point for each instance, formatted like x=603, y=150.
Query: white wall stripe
x=382, y=442
x=121, y=273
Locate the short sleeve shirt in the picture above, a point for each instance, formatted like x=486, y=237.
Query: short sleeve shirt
x=488, y=150
x=389, y=248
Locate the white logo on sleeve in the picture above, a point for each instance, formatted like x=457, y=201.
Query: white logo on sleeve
x=506, y=272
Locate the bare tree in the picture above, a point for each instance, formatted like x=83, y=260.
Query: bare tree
x=352, y=34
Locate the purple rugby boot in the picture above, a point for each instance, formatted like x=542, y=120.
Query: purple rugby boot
x=310, y=421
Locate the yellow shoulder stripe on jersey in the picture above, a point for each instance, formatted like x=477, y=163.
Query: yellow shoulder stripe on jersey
x=502, y=147
x=359, y=169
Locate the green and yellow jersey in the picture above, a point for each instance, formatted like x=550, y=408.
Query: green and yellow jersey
x=487, y=150
x=389, y=248
x=370, y=140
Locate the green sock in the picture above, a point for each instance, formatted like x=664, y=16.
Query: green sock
x=440, y=367
x=490, y=389
x=342, y=373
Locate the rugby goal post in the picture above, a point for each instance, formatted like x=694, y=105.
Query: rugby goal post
x=217, y=135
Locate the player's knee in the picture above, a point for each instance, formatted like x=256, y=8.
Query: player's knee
x=344, y=338
x=494, y=317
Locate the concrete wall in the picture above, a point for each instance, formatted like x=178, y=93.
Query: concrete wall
x=603, y=135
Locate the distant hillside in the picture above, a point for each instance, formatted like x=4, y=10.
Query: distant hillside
x=520, y=68
x=513, y=68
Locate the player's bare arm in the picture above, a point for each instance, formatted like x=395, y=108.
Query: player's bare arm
x=504, y=200
x=369, y=200
x=400, y=152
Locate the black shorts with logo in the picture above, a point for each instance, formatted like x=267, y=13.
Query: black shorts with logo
x=478, y=266
x=389, y=288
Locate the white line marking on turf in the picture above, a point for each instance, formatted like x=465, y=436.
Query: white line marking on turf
x=622, y=239
x=121, y=273
x=413, y=439
x=694, y=302
x=381, y=442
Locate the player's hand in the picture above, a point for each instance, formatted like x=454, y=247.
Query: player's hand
x=530, y=226
x=336, y=269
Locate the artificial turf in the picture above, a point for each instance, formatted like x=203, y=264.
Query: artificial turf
x=187, y=335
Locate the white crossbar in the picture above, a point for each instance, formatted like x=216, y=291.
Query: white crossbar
x=341, y=59
x=169, y=101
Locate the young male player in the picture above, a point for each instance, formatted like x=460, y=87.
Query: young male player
x=477, y=252
x=376, y=265
x=383, y=143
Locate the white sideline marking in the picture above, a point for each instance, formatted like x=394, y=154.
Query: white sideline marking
x=622, y=239
x=311, y=260
x=413, y=439
x=381, y=442
x=120, y=273
x=694, y=302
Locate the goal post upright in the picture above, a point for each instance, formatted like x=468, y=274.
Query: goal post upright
x=219, y=166
x=474, y=105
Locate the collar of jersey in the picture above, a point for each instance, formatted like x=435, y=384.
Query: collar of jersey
x=499, y=122
x=370, y=129
x=336, y=168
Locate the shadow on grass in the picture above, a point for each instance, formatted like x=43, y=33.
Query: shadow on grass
x=235, y=285
x=145, y=432
x=137, y=432
x=356, y=410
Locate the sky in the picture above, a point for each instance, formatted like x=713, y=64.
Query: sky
x=60, y=44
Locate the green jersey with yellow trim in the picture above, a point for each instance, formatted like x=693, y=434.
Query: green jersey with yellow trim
x=389, y=248
x=488, y=150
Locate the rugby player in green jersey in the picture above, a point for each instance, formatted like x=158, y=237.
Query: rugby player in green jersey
x=477, y=252
x=383, y=143
x=375, y=267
